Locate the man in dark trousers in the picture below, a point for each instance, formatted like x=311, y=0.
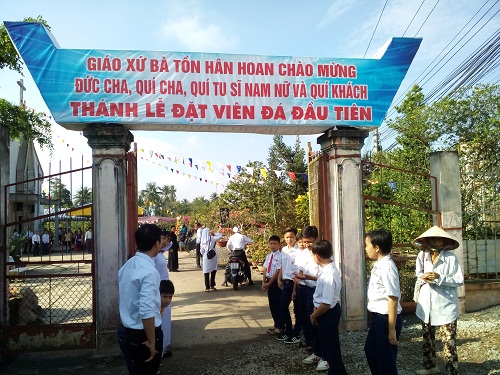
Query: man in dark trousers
x=140, y=302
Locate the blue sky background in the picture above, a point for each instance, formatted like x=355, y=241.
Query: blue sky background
x=338, y=28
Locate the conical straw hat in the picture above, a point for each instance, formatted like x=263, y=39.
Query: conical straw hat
x=424, y=240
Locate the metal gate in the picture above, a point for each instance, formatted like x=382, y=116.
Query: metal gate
x=49, y=266
x=401, y=201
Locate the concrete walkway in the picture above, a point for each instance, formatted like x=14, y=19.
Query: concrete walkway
x=221, y=316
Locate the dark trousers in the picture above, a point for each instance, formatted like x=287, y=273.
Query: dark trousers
x=210, y=284
x=173, y=260
x=274, y=298
x=28, y=245
x=301, y=318
x=380, y=354
x=45, y=248
x=136, y=352
x=198, y=255
x=36, y=248
x=313, y=333
x=286, y=298
x=328, y=335
x=243, y=256
x=88, y=246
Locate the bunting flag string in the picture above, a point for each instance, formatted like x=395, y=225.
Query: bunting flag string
x=224, y=169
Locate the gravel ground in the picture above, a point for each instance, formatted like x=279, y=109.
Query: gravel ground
x=478, y=348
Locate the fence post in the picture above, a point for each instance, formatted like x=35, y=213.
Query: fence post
x=4, y=180
x=446, y=168
x=109, y=143
x=344, y=197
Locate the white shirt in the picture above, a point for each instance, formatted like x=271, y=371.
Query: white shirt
x=161, y=265
x=139, y=291
x=45, y=238
x=438, y=301
x=328, y=287
x=238, y=241
x=88, y=235
x=384, y=282
x=312, y=269
x=275, y=264
x=301, y=261
x=288, y=256
x=35, y=238
x=198, y=234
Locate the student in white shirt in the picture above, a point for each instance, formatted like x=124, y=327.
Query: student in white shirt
x=161, y=266
x=199, y=230
x=327, y=312
x=439, y=271
x=286, y=284
x=381, y=346
x=237, y=243
x=272, y=264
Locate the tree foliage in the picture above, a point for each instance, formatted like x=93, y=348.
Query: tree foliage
x=59, y=192
x=21, y=122
x=82, y=196
x=468, y=121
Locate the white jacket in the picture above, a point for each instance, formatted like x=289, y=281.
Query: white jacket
x=438, y=301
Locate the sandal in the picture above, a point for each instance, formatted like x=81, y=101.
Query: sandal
x=273, y=331
x=207, y=290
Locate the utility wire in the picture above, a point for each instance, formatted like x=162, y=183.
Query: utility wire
x=432, y=10
x=414, y=17
x=375, y=28
x=479, y=71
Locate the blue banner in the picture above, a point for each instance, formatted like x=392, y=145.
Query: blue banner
x=152, y=90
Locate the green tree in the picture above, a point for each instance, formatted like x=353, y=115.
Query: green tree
x=22, y=123
x=83, y=195
x=59, y=192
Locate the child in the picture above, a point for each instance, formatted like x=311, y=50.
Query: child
x=383, y=301
x=307, y=271
x=167, y=291
x=327, y=312
x=272, y=265
x=286, y=284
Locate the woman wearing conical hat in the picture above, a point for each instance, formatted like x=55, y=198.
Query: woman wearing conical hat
x=439, y=271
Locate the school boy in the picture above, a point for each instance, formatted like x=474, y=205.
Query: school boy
x=272, y=265
x=285, y=283
x=167, y=291
x=139, y=302
x=308, y=272
x=383, y=301
x=327, y=312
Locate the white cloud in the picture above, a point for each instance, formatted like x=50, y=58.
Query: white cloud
x=335, y=11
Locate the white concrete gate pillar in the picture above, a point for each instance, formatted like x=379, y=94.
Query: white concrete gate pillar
x=345, y=198
x=109, y=143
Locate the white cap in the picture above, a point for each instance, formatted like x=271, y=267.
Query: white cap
x=236, y=229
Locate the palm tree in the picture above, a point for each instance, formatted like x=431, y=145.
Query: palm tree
x=82, y=196
x=150, y=196
x=168, y=194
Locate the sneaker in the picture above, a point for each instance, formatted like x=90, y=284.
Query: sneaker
x=282, y=337
x=322, y=366
x=292, y=340
x=313, y=358
x=424, y=371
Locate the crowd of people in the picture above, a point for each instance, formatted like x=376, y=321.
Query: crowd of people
x=302, y=272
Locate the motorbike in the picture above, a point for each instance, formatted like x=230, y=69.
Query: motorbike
x=235, y=272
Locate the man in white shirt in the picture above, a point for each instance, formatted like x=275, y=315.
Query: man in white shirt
x=236, y=243
x=45, y=243
x=139, y=303
x=88, y=240
x=199, y=229
x=36, y=243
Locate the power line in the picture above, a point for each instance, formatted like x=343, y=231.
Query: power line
x=375, y=28
x=432, y=10
x=413, y=17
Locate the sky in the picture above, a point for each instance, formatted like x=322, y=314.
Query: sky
x=338, y=28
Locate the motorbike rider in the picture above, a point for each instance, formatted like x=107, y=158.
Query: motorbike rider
x=236, y=243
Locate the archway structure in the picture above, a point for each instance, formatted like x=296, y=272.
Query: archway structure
x=107, y=93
